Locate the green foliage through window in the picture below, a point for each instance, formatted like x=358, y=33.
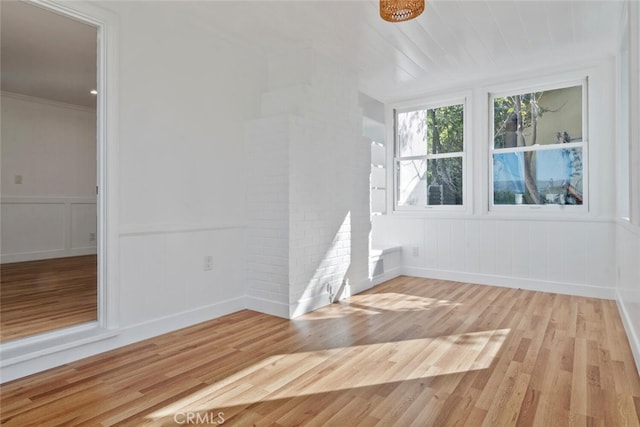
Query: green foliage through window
x=430, y=148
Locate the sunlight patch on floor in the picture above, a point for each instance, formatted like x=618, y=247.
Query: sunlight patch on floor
x=313, y=372
x=392, y=301
x=372, y=304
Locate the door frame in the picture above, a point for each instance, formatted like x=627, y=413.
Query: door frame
x=106, y=24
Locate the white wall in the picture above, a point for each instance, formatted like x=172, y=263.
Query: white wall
x=184, y=94
x=565, y=253
x=628, y=226
x=572, y=257
x=51, y=146
x=628, y=282
x=308, y=197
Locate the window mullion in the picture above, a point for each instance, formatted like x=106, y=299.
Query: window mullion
x=539, y=147
x=444, y=155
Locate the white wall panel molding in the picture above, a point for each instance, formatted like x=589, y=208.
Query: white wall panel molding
x=44, y=101
x=46, y=200
x=145, y=230
x=36, y=228
x=628, y=226
x=513, y=282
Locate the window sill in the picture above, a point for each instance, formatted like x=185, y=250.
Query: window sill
x=505, y=215
x=434, y=212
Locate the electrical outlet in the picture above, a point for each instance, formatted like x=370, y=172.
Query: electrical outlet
x=415, y=251
x=92, y=237
x=17, y=179
x=208, y=263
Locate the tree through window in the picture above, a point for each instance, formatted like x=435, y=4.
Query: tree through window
x=538, y=147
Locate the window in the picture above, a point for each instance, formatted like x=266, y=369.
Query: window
x=539, y=147
x=374, y=131
x=429, y=156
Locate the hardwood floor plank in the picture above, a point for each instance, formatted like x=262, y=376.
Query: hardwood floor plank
x=45, y=295
x=408, y=352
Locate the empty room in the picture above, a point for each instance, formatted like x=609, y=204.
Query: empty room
x=367, y=212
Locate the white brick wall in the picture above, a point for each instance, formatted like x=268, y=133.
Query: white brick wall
x=308, y=200
x=266, y=145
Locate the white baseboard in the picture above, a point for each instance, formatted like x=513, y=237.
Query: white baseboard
x=632, y=334
x=83, y=251
x=32, y=256
x=356, y=288
x=21, y=360
x=155, y=327
x=302, y=306
x=261, y=305
x=307, y=305
x=513, y=282
x=392, y=273
x=40, y=255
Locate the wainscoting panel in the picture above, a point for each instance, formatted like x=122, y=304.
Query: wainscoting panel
x=83, y=226
x=165, y=268
x=47, y=227
x=570, y=256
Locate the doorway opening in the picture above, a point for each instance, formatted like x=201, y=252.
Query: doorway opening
x=51, y=252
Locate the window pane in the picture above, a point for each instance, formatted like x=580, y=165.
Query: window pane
x=431, y=131
x=412, y=183
x=538, y=177
x=444, y=181
x=445, y=129
x=544, y=118
x=412, y=130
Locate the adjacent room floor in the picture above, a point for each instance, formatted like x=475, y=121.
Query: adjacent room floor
x=410, y=351
x=41, y=296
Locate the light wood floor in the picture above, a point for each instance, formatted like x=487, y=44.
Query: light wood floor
x=40, y=296
x=409, y=352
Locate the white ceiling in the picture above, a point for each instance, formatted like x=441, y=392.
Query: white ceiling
x=47, y=55
x=451, y=42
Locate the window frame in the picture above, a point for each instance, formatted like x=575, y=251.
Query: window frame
x=375, y=134
x=623, y=158
x=426, y=104
x=505, y=91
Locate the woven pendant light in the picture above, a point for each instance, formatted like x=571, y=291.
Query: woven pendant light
x=400, y=10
